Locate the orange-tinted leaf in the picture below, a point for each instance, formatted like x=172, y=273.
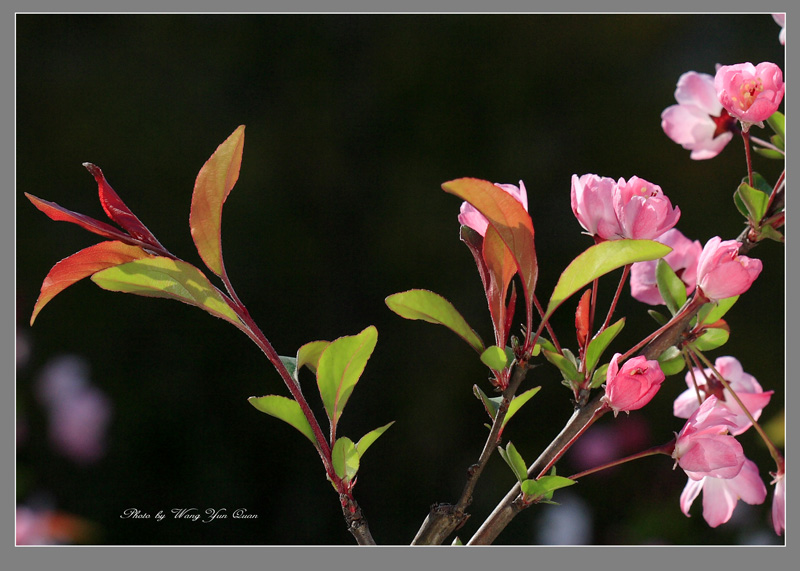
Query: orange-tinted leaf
x=214, y=182
x=83, y=264
x=511, y=221
x=118, y=211
x=582, y=318
x=61, y=214
x=501, y=268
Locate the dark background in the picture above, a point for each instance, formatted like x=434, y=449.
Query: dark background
x=353, y=122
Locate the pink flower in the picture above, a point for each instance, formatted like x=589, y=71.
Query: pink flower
x=682, y=259
x=743, y=384
x=643, y=211
x=750, y=93
x=469, y=215
x=722, y=272
x=632, y=386
x=720, y=495
x=780, y=19
x=698, y=122
x=703, y=447
x=610, y=210
x=592, y=199
x=779, y=503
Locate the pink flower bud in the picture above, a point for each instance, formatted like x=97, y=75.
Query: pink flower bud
x=642, y=209
x=751, y=93
x=698, y=122
x=722, y=272
x=632, y=386
x=469, y=215
x=682, y=259
x=703, y=447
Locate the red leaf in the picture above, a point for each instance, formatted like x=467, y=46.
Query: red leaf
x=214, y=182
x=61, y=214
x=501, y=269
x=509, y=218
x=118, y=210
x=83, y=264
x=582, y=319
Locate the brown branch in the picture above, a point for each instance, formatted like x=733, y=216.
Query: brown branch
x=444, y=519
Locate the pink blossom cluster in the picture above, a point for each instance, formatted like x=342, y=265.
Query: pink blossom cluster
x=78, y=412
x=716, y=269
x=706, y=448
x=709, y=108
x=611, y=210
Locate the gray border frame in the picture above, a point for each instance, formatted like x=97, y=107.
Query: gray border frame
x=351, y=557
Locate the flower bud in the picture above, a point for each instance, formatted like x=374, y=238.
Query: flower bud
x=469, y=215
x=632, y=386
x=722, y=272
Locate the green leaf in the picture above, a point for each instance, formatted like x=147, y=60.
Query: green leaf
x=509, y=218
x=340, y=367
x=433, y=308
x=712, y=339
x=658, y=316
x=771, y=153
x=715, y=310
x=545, y=486
x=310, y=353
x=754, y=201
x=212, y=186
x=491, y=404
x=370, y=437
x=671, y=361
x=670, y=286
x=778, y=124
x=517, y=402
x=515, y=461
x=599, y=376
x=291, y=365
x=768, y=231
x=287, y=410
x=779, y=142
x=495, y=358
x=599, y=260
x=345, y=458
x=568, y=369
x=600, y=343
x=165, y=277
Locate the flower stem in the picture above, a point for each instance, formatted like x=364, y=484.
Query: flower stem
x=661, y=449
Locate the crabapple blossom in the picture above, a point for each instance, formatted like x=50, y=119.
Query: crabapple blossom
x=592, y=199
x=469, y=215
x=703, y=447
x=632, y=386
x=751, y=93
x=720, y=495
x=682, y=259
x=722, y=272
x=643, y=211
x=779, y=503
x=780, y=19
x=635, y=209
x=743, y=384
x=698, y=122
